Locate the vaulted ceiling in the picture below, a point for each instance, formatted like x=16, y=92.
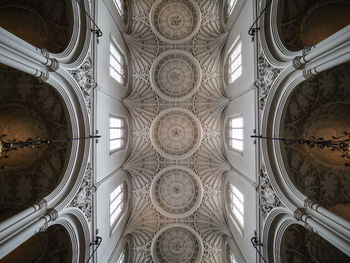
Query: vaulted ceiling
x=176, y=162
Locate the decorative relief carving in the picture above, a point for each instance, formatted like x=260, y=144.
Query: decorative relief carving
x=176, y=192
x=176, y=133
x=85, y=78
x=177, y=243
x=175, y=21
x=267, y=196
x=175, y=75
x=83, y=199
x=266, y=75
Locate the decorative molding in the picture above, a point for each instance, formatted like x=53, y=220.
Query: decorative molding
x=266, y=76
x=267, y=196
x=83, y=199
x=85, y=78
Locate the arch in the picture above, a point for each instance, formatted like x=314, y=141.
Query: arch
x=39, y=23
x=52, y=245
x=301, y=245
x=318, y=107
x=30, y=109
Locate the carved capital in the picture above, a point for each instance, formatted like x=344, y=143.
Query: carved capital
x=297, y=63
x=299, y=214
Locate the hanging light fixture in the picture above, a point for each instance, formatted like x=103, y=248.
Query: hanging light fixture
x=339, y=144
x=7, y=146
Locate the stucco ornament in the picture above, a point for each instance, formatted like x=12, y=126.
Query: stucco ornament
x=175, y=75
x=176, y=133
x=177, y=243
x=83, y=199
x=176, y=191
x=267, y=196
x=175, y=21
x=266, y=76
x=85, y=78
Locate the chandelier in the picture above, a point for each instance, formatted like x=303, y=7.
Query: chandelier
x=340, y=144
x=7, y=146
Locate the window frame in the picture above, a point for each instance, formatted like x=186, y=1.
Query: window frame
x=237, y=43
x=229, y=137
x=123, y=137
x=119, y=7
x=121, y=258
x=123, y=190
x=123, y=64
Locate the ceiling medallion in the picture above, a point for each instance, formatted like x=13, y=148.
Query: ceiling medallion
x=177, y=243
x=175, y=75
x=175, y=21
x=176, y=191
x=176, y=133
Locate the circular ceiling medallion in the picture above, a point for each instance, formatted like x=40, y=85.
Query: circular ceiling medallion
x=176, y=192
x=176, y=133
x=175, y=21
x=176, y=75
x=177, y=243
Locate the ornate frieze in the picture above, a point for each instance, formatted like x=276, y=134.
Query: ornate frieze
x=83, y=199
x=267, y=196
x=266, y=76
x=85, y=78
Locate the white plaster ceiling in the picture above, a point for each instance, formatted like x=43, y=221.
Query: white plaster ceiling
x=176, y=160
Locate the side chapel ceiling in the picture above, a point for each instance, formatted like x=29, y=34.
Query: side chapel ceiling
x=176, y=161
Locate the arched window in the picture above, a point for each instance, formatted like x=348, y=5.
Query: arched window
x=116, y=205
x=235, y=133
x=230, y=5
x=116, y=133
x=234, y=62
x=121, y=258
x=116, y=64
x=237, y=205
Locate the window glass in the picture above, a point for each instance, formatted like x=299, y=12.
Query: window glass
x=234, y=66
x=115, y=204
x=230, y=5
x=235, y=133
x=116, y=133
x=116, y=64
x=118, y=4
x=237, y=204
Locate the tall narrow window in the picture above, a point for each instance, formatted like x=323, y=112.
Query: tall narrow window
x=115, y=205
x=116, y=133
x=230, y=5
x=121, y=258
x=235, y=133
x=234, y=65
x=119, y=5
x=116, y=64
x=237, y=204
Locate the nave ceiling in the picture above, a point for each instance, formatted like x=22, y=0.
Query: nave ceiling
x=176, y=160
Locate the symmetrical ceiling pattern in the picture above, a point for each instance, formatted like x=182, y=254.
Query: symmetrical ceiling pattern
x=176, y=161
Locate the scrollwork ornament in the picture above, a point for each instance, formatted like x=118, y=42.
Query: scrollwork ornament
x=83, y=199
x=85, y=78
x=266, y=76
x=267, y=196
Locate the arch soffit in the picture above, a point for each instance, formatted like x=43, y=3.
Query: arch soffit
x=278, y=220
x=74, y=221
